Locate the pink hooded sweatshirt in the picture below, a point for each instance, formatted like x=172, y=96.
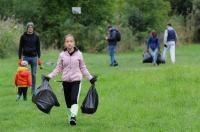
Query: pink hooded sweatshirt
x=72, y=66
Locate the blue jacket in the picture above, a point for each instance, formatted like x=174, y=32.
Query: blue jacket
x=112, y=37
x=153, y=43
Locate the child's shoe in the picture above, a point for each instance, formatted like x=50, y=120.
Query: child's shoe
x=25, y=98
x=18, y=98
x=73, y=121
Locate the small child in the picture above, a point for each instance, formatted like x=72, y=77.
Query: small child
x=23, y=80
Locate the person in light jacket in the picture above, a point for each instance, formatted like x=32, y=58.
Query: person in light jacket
x=170, y=40
x=71, y=64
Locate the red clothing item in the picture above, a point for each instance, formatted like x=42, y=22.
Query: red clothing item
x=23, y=77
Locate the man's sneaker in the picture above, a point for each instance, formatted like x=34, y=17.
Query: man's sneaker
x=116, y=64
x=73, y=121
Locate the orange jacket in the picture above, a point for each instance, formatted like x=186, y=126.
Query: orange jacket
x=23, y=77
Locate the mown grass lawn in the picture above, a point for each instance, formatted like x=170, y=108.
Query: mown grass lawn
x=133, y=96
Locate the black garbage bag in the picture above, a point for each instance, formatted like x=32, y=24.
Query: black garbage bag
x=160, y=59
x=91, y=101
x=147, y=58
x=44, y=98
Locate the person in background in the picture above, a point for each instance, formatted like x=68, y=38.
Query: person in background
x=153, y=43
x=29, y=50
x=112, y=44
x=72, y=66
x=23, y=80
x=170, y=40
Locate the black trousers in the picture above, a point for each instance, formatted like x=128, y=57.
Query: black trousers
x=71, y=92
x=23, y=90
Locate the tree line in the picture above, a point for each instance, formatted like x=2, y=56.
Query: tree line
x=134, y=18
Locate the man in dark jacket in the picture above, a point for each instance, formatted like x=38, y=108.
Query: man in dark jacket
x=29, y=50
x=112, y=43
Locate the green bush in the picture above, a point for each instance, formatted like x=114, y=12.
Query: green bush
x=147, y=15
x=9, y=37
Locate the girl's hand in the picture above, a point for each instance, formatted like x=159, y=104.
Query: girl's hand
x=47, y=78
x=93, y=80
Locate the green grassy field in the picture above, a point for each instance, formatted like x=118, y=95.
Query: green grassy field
x=133, y=97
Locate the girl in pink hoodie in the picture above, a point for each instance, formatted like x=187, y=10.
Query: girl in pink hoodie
x=72, y=66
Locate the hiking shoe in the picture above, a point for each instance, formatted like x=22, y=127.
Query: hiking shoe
x=73, y=121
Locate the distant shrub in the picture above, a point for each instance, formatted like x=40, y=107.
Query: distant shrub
x=10, y=33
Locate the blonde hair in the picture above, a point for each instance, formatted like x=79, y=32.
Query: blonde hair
x=69, y=35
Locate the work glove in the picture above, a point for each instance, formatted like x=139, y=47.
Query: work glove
x=39, y=61
x=93, y=80
x=19, y=61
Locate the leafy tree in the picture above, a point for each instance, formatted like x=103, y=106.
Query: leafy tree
x=57, y=19
x=181, y=7
x=27, y=10
x=54, y=18
x=196, y=20
x=5, y=8
x=147, y=15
